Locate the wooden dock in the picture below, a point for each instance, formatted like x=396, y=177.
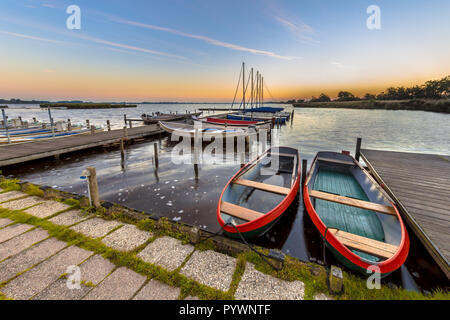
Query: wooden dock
x=22, y=152
x=420, y=184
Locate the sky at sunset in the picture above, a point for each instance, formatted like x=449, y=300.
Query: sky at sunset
x=192, y=50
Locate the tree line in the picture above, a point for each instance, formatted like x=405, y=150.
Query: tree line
x=432, y=89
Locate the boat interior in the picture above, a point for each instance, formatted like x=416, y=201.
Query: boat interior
x=353, y=207
x=261, y=186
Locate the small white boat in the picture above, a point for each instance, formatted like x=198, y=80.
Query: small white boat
x=188, y=130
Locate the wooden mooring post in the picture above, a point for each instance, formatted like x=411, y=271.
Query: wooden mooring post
x=92, y=129
x=358, y=149
x=93, y=186
x=304, y=170
x=108, y=125
x=122, y=153
x=155, y=154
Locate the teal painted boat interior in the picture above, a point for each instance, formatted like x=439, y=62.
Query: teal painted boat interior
x=347, y=218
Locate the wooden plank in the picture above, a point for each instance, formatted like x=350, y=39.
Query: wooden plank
x=18, y=153
x=262, y=186
x=373, y=247
x=239, y=212
x=353, y=202
x=336, y=161
x=419, y=184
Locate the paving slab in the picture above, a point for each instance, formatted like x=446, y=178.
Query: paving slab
x=322, y=296
x=22, y=203
x=5, y=222
x=59, y=290
x=95, y=269
x=30, y=257
x=127, y=238
x=11, y=195
x=95, y=227
x=47, y=208
x=157, y=290
x=13, y=230
x=166, y=252
x=256, y=285
x=19, y=243
x=210, y=268
x=37, y=279
x=122, y=284
x=69, y=218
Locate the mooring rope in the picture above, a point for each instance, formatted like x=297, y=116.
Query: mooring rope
x=262, y=255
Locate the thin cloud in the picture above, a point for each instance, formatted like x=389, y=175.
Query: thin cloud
x=205, y=39
x=25, y=36
x=125, y=46
x=299, y=29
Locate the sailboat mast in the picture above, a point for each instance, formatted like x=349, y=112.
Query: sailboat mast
x=243, y=84
x=252, y=89
x=262, y=92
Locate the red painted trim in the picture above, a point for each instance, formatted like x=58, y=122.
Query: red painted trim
x=386, y=266
x=269, y=216
x=228, y=121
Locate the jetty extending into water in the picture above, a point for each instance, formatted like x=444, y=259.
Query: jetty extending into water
x=22, y=152
x=420, y=185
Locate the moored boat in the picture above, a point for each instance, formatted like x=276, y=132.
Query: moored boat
x=228, y=123
x=155, y=118
x=357, y=220
x=259, y=193
x=255, y=117
x=188, y=130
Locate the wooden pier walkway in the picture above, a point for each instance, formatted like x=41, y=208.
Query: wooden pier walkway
x=420, y=184
x=22, y=152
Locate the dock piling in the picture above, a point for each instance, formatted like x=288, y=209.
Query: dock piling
x=125, y=132
x=108, y=125
x=122, y=153
x=92, y=129
x=93, y=187
x=304, y=170
x=358, y=149
x=155, y=153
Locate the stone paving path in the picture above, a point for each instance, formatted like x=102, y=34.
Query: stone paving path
x=34, y=265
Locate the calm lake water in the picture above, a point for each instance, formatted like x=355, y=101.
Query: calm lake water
x=172, y=190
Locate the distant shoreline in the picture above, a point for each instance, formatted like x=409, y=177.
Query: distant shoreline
x=442, y=105
x=87, y=105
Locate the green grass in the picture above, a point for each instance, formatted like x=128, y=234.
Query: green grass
x=9, y=185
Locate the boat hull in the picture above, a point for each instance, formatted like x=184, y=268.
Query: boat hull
x=346, y=256
x=258, y=227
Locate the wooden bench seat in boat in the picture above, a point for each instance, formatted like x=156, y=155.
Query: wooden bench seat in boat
x=239, y=212
x=353, y=202
x=262, y=186
x=336, y=161
x=373, y=247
